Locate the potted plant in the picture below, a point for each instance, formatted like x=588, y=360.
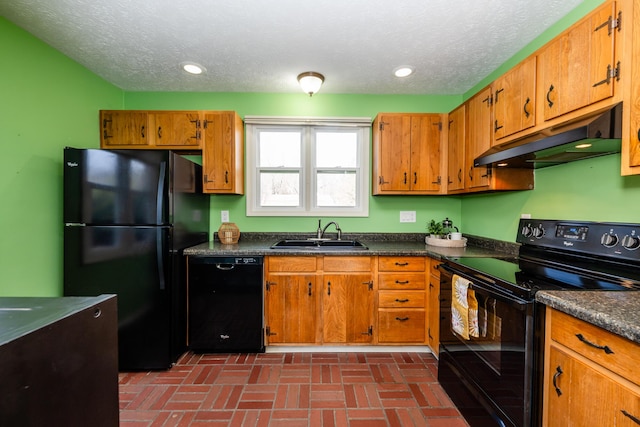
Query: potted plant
x=435, y=229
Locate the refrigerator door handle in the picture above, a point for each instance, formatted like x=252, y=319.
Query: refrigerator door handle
x=160, y=258
x=159, y=198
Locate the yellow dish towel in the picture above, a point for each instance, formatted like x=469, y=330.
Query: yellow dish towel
x=460, y=306
x=474, y=329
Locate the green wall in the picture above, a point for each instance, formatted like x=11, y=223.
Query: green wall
x=47, y=102
x=50, y=102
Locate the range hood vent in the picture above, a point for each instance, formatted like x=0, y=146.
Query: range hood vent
x=601, y=133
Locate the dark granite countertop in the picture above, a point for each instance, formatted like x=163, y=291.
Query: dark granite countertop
x=614, y=311
x=400, y=244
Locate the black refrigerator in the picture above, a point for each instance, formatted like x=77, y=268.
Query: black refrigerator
x=128, y=215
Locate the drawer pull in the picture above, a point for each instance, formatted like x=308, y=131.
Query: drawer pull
x=402, y=264
x=555, y=379
x=402, y=300
x=310, y=288
x=631, y=417
x=402, y=282
x=402, y=319
x=604, y=348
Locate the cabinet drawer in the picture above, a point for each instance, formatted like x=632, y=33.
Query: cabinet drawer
x=616, y=353
x=291, y=263
x=401, y=299
x=401, y=326
x=401, y=281
x=347, y=263
x=393, y=263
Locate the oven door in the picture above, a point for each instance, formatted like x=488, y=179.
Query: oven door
x=488, y=376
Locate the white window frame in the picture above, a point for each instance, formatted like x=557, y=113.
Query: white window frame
x=362, y=125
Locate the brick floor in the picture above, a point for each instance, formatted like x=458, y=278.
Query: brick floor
x=289, y=390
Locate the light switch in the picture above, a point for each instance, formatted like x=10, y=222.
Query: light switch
x=407, y=216
x=224, y=216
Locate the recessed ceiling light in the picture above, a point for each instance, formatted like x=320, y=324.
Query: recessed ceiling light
x=583, y=145
x=403, y=71
x=192, y=68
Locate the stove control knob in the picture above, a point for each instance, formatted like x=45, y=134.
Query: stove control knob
x=631, y=242
x=527, y=231
x=538, y=232
x=609, y=240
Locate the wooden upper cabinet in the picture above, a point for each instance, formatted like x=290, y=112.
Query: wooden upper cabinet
x=406, y=153
x=514, y=99
x=478, y=139
x=175, y=129
x=456, y=149
x=223, y=153
x=123, y=129
x=578, y=68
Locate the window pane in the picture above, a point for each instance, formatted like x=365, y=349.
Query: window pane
x=336, y=149
x=279, y=189
x=336, y=189
x=279, y=149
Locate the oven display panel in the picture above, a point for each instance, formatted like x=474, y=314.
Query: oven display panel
x=572, y=232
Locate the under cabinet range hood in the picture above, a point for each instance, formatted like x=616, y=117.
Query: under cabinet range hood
x=592, y=136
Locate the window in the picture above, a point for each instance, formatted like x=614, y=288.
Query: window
x=307, y=167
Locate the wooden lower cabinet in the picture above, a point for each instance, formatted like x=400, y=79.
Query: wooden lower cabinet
x=590, y=375
x=291, y=300
x=433, y=331
x=341, y=300
x=402, y=297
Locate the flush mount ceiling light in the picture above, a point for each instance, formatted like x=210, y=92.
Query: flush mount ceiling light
x=310, y=82
x=403, y=71
x=192, y=68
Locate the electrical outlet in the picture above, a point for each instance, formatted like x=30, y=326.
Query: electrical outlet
x=224, y=216
x=525, y=216
x=407, y=216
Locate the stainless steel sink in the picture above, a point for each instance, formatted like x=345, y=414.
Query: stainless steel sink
x=331, y=245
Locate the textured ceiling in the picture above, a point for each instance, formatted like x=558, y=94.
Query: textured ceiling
x=261, y=46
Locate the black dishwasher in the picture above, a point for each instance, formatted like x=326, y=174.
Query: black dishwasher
x=226, y=304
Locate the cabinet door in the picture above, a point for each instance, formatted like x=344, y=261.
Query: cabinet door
x=175, y=128
x=455, y=150
x=122, y=129
x=425, y=153
x=514, y=99
x=347, y=306
x=576, y=66
x=578, y=395
x=392, y=151
x=291, y=308
x=628, y=413
x=222, y=154
x=479, y=138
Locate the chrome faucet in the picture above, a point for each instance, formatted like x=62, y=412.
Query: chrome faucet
x=338, y=230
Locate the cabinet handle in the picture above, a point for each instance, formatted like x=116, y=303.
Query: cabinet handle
x=159, y=131
x=555, y=379
x=631, y=417
x=496, y=127
x=497, y=93
x=402, y=300
x=226, y=177
x=142, y=131
x=402, y=264
x=328, y=288
x=402, y=319
x=471, y=173
x=524, y=108
x=405, y=177
x=415, y=178
x=459, y=175
x=309, y=288
x=604, y=348
x=549, y=101
x=638, y=134
x=402, y=282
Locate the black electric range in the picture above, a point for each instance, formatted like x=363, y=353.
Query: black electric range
x=491, y=357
